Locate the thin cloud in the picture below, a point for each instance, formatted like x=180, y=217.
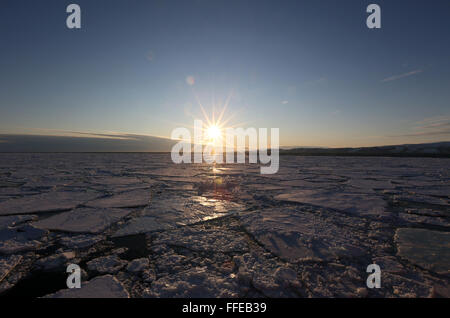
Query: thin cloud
x=83, y=134
x=443, y=132
x=396, y=77
x=111, y=136
x=433, y=122
x=436, y=126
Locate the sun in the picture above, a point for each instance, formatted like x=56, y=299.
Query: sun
x=213, y=132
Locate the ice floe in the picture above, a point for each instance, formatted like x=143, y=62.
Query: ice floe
x=425, y=248
x=20, y=239
x=354, y=203
x=420, y=198
x=46, y=202
x=106, y=286
x=268, y=276
x=196, y=282
x=138, y=265
x=80, y=241
x=7, y=221
x=296, y=235
x=106, y=264
x=197, y=239
x=129, y=199
x=55, y=261
x=177, y=210
x=83, y=220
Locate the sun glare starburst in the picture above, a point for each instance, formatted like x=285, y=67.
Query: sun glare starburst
x=213, y=132
x=215, y=123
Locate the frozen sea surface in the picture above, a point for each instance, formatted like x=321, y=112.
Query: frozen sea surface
x=141, y=226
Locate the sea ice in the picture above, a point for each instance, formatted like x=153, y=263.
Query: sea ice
x=196, y=282
x=46, y=202
x=226, y=230
x=55, y=261
x=426, y=248
x=130, y=199
x=138, y=265
x=7, y=264
x=177, y=171
x=115, y=181
x=106, y=286
x=369, y=185
x=80, y=241
x=142, y=225
x=389, y=264
x=176, y=210
x=354, y=203
x=266, y=187
x=439, y=191
x=268, y=276
x=14, y=240
x=420, y=198
x=213, y=240
x=305, y=184
x=295, y=235
x=83, y=220
x=7, y=221
x=107, y=264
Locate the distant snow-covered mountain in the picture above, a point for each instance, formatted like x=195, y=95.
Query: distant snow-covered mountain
x=436, y=149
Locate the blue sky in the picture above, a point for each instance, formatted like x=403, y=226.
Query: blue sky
x=311, y=68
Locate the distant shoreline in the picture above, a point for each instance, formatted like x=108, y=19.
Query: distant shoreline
x=368, y=155
x=426, y=150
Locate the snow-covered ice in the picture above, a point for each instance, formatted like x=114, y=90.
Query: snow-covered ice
x=46, y=202
x=193, y=283
x=80, y=241
x=355, y=203
x=129, y=199
x=83, y=220
x=106, y=264
x=294, y=234
x=174, y=210
x=20, y=239
x=138, y=265
x=426, y=248
x=99, y=287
